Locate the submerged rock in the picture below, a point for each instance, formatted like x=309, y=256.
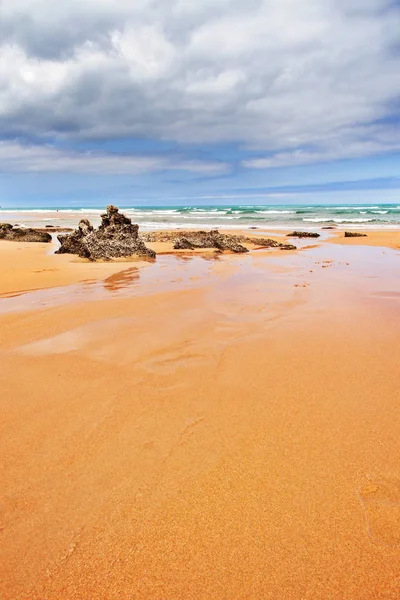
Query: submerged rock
x=189, y=240
x=354, y=234
x=16, y=234
x=304, y=234
x=115, y=238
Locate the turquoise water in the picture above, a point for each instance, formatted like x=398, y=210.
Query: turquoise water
x=234, y=216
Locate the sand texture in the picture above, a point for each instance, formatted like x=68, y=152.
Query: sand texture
x=201, y=428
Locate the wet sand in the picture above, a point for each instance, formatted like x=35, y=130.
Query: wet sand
x=27, y=266
x=203, y=428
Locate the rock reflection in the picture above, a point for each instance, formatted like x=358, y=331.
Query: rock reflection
x=187, y=257
x=122, y=280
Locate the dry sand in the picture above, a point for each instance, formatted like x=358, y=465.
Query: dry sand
x=202, y=430
x=384, y=238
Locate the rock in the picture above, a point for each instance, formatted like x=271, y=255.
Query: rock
x=354, y=234
x=288, y=247
x=183, y=243
x=189, y=240
x=330, y=227
x=303, y=234
x=267, y=243
x=54, y=229
x=263, y=242
x=113, y=218
x=209, y=239
x=116, y=237
x=17, y=234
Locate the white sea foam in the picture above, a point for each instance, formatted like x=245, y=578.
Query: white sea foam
x=318, y=220
x=276, y=212
x=330, y=219
x=229, y=216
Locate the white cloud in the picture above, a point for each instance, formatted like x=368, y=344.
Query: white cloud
x=273, y=75
x=145, y=49
x=367, y=141
x=15, y=157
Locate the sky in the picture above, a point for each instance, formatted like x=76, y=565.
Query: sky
x=199, y=102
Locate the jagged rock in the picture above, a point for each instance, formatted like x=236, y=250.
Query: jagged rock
x=209, y=239
x=54, y=229
x=17, y=234
x=262, y=242
x=354, y=234
x=114, y=218
x=116, y=237
x=287, y=247
x=189, y=240
x=183, y=243
x=266, y=243
x=303, y=234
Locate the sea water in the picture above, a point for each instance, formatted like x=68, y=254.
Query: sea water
x=310, y=217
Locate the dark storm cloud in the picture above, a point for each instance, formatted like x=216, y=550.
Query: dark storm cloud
x=300, y=81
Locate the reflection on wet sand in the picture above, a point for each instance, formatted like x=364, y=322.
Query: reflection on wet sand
x=122, y=280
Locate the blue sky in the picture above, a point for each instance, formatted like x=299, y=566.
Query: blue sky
x=199, y=102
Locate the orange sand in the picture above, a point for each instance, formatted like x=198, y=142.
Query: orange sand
x=31, y=266
x=235, y=440
x=386, y=238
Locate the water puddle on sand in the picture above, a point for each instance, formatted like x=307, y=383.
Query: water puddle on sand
x=250, y=281
x=166, y=274
x=386, y=294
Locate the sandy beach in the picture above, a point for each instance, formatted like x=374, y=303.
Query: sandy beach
x=202, y=426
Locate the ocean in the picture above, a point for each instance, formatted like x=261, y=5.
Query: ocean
x=312, y=217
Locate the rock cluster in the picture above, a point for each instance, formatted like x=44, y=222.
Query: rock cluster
x=55, y=229
x=304, y=234
x=116, y=237
x=209, y=239
x=354, y=234
x=267, y=243
x=16, y=234
x=189, y=240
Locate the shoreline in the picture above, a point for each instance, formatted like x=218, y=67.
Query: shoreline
x=274, y=217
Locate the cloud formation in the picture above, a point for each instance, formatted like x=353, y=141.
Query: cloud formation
x=291, y=81
x=18, y=158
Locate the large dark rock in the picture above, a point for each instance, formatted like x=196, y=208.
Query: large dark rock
x=115, y=238
x=266, y=243
x=354, y=234
x=17, y=234
x=304, y=234
x=189, y=240
x=209, y=239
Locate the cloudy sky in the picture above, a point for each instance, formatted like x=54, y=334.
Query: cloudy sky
x=201, y=101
